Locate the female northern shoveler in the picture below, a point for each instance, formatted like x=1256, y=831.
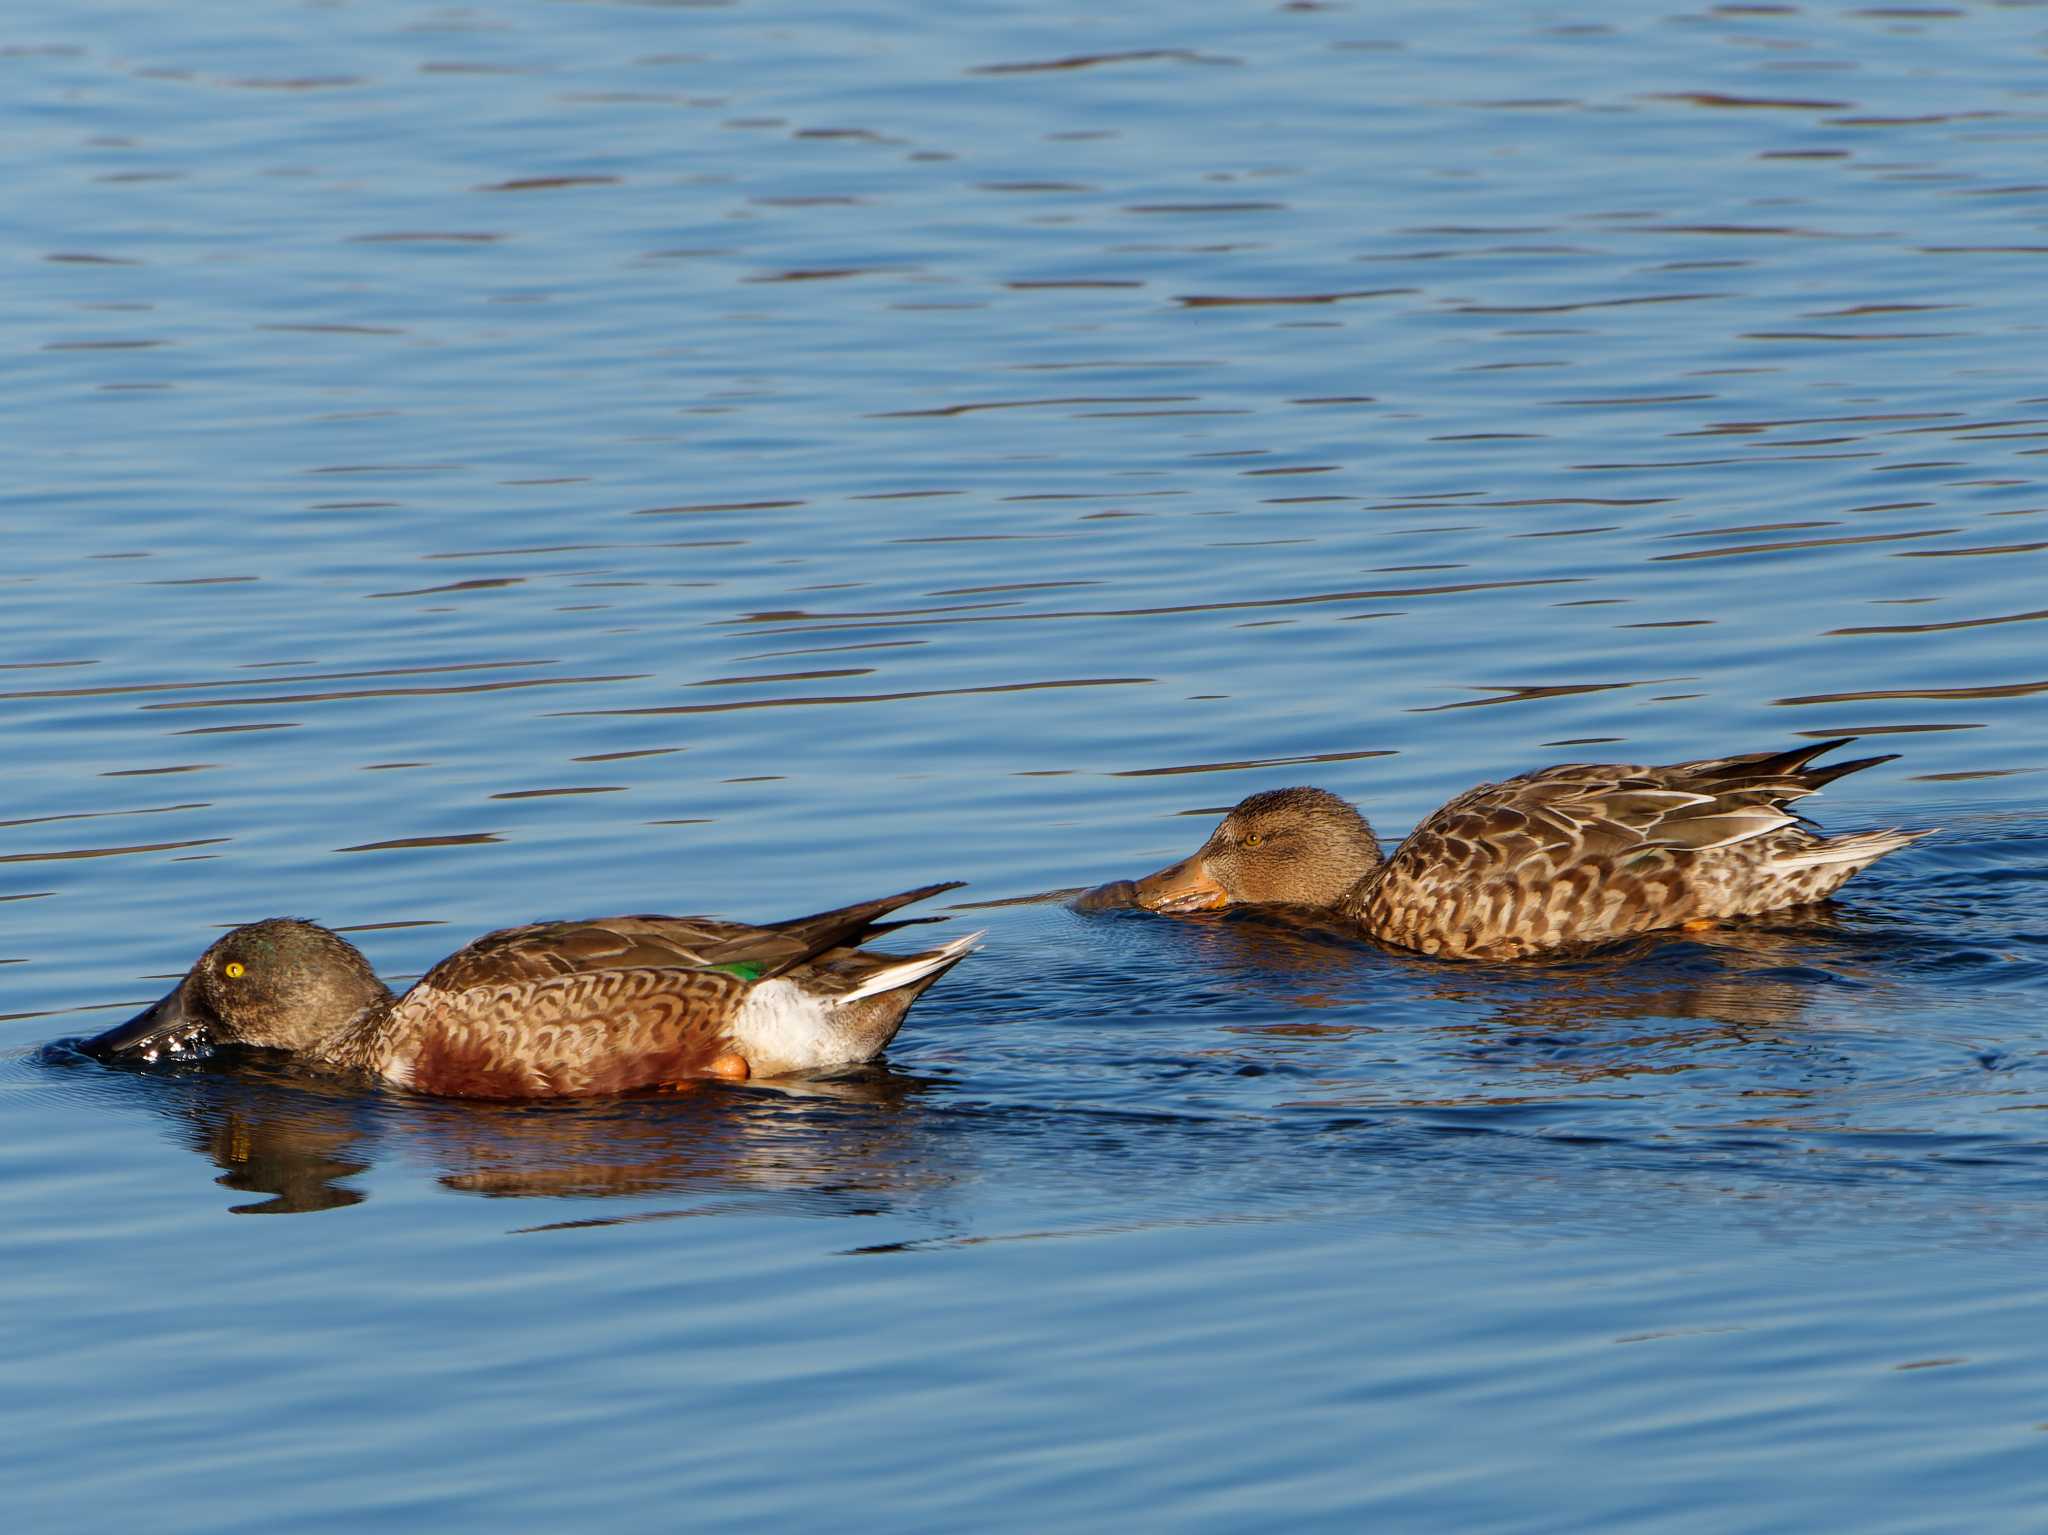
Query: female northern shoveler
x=560, y=1009
x=1567, y=855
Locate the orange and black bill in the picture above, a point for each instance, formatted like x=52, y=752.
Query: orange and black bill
x=1183, y=886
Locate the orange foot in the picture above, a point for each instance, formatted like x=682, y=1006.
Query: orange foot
x=1697, y=924
x=731, y=1065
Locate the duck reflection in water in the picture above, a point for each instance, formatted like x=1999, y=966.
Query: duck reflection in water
x=300, y=1137
x=1673, y=994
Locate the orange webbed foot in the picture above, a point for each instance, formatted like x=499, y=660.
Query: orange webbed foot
x=730, y=1066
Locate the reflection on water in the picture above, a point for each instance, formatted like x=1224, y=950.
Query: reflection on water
x=302, y=1139
x=1754, y=973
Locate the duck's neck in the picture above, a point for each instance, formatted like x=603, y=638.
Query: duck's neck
x=358, y=1045
x=1355, y=894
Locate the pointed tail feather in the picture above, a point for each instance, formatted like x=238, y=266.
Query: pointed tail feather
x=1815, y=778
x=1774, y=764
x=877, y=929
x=1787, y=775
x=1858, y=849
x=803, y=938
x=917, y=967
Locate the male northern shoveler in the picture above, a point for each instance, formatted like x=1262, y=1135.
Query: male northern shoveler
x=1566, y=855
x=560, y=1009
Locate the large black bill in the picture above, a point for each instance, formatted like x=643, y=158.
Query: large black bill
x=169, y=1023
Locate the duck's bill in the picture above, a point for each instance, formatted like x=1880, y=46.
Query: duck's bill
x=170, y=1024
x=1184, y=886
x=1117, y=893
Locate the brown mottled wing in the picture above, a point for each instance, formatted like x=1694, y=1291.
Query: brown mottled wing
x=783, y=945
x=543, y=950
x=1587, y=852
x=594, y=1032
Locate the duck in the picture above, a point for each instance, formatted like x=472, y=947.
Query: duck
x=571, y=1009
x=1560, y=858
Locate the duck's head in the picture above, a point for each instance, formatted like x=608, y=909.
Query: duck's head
x=281, y=984
x=1285, y=847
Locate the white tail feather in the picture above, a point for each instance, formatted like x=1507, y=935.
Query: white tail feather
x=916, y=968
x=1863, y=847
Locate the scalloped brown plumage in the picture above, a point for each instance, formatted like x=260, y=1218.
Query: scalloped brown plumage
x=1568, y=855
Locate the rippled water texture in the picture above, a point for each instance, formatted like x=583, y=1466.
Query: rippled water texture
x=476, y=463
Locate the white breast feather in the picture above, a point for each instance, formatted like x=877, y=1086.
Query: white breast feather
x=780, y=1028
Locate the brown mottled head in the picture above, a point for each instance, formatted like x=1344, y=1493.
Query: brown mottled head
x=280, y=983
x=1285, y=847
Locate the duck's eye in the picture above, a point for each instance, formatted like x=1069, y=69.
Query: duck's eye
x=1253, y=839
x=234, y=969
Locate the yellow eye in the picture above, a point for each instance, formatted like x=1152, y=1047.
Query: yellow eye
x=1253, y=840
x=233, y=969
